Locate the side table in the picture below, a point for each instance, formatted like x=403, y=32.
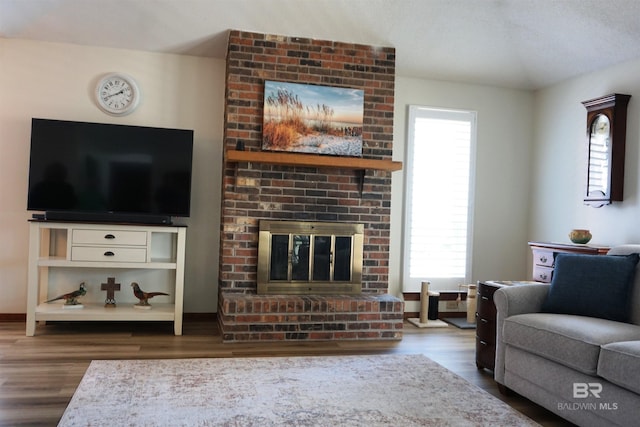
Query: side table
x=486, y=321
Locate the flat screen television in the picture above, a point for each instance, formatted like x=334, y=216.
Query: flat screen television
x=97, y=172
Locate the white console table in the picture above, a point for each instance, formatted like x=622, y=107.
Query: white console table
x=62, y=255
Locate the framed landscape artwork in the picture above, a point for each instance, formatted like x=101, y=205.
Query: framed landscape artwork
x=314, y=119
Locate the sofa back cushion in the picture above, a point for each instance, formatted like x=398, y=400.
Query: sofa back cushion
x=635, y=292
x=592, y=285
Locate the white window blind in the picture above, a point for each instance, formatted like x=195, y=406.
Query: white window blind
x=439, y=198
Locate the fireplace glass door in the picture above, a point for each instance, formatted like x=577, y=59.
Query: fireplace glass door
x=331, y=259
x=309, y=259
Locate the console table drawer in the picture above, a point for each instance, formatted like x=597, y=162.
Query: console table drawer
x=109, y=237
x=542, y=274
x=544, y=258
x=108, y=254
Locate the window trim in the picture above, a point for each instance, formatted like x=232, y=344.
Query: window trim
x=413, y=285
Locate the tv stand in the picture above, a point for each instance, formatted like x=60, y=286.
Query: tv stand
x=64, y=254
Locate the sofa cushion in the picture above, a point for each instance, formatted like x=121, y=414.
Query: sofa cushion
x=619, y=363
x=573, y=341
x=592, y=285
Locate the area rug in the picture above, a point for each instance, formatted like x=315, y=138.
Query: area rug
x=370, y=390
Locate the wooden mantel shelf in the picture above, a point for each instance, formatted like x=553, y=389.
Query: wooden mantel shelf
x=312, y=160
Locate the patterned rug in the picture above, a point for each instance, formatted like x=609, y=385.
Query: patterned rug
x=372, y=390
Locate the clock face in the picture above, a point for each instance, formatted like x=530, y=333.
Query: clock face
x=117, y=94
x=600, y=125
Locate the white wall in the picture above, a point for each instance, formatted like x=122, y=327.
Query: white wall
x=560, y=156
x=57, y=81
x=502, y=184
x=529, y=174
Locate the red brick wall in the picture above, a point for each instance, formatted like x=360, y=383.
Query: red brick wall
x=252, y=192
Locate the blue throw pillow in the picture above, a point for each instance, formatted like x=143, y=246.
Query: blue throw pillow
x=592, y=285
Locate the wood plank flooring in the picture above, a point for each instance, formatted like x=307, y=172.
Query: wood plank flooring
x=38, y=375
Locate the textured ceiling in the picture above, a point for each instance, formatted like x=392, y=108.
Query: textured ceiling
x=525, y=44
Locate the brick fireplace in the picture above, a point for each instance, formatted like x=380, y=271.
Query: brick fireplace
x=255, y=191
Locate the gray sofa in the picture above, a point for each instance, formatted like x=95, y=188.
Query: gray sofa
x=586, y=369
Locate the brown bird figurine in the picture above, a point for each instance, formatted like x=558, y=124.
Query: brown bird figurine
x=71, y=298
x=144, y=296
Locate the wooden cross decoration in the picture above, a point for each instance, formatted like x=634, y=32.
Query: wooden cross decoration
x=111, y=287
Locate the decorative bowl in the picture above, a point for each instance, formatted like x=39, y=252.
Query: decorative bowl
x=580, y=236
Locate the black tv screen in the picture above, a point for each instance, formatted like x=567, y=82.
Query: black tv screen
x=108, y=172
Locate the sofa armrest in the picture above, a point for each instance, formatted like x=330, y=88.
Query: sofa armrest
x=510, y=301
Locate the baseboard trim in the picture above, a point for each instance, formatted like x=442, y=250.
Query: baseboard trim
x=199, y=317
x=13, y=317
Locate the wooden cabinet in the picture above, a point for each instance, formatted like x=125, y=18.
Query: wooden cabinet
x=486, y=322
x=63, y=255
x=485, y=326
x=544, y=256
x=606, y=134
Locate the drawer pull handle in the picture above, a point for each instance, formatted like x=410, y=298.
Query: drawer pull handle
x=543, y=276
x=485, y=298
x=543, y=259
x=109, y=236
x=483, y=342
x=484, y=320
x=109, y=253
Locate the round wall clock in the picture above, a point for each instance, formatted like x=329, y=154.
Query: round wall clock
x=117, y=94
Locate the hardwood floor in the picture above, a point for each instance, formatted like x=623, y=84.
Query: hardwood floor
x=38, y=375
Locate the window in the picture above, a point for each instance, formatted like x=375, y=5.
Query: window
x=438, y=203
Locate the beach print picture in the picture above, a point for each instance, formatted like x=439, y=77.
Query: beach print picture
x=314, y=119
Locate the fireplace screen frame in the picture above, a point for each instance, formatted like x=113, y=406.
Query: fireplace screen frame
x=291, y=285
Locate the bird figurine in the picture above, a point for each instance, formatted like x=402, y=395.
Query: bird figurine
x=71, y=298
x=144, y=296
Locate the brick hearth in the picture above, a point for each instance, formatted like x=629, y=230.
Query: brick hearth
x=255, y=191
x=310, y=317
